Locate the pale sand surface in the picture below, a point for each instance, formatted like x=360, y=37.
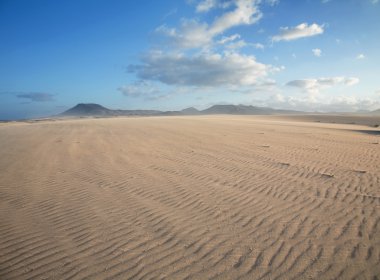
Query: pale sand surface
x=209, y=197
x=373, y=121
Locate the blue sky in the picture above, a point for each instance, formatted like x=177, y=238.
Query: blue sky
x=314, y=55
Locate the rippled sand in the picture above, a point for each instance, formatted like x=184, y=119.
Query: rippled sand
x=222, y=197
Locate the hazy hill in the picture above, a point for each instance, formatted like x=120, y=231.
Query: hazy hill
x=244, y=110
x=190, y=111
x=235, y=109
x=89, y=109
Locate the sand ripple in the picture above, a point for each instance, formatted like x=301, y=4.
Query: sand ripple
x=188, y=198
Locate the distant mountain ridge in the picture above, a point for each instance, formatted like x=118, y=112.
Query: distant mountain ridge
x=375, y=112
x=92, y=109
x=245, y=110
x=96, y=110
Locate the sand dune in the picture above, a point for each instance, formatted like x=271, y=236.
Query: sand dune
x=204, y=197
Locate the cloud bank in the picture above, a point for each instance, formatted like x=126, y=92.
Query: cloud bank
x=323, y=103
x=37, y=96
x=204, y=70
x=315, y=85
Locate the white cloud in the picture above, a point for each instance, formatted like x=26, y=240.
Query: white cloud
x=210, y=69
x=192, y=34
x=237, y=45
x=360, y=56
x=273, y=2
x=229, y=39
x=317, y=52
x=351, y=81
x=231, y=43
x=313, y=86
x=138, y=89
x=322, y=103
x=375, y=1
x=36, y=96
x=195, y=34
x=241, y=44
x=258, y=46
x=206, y=5
x=246, y=13
x=300, y=31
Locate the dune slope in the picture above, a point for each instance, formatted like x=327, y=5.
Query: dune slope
x=204, y=197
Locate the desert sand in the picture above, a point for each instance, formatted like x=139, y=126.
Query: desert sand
x=203, y=197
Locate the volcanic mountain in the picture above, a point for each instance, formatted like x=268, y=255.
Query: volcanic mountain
x=91, y=109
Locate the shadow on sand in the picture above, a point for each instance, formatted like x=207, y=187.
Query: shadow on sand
x=374, y=132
